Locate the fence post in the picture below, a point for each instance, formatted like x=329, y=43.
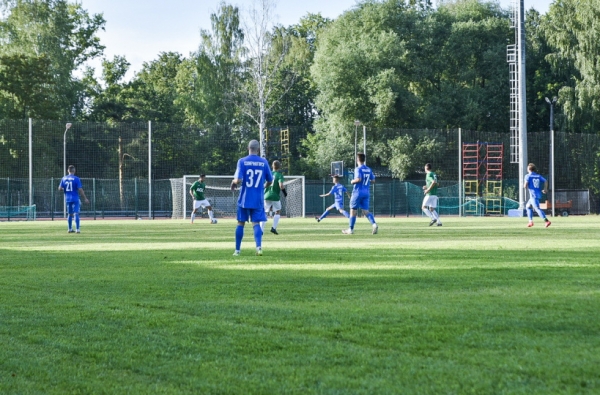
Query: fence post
x=9, y=200
x=94, y=197
x=136, y=196
x=30, y=163
x=460, y=206
x=52, y=197
x=149, y=169
x=406, y=198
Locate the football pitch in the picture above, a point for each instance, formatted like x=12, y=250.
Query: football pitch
x=479, y=305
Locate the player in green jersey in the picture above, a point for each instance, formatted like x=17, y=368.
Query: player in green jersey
x=273, y=198
x=430, y=201
x=197, y=191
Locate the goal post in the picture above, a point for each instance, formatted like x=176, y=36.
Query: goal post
x=224, y=201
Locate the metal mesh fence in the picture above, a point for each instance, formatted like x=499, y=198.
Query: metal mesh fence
x=126, y=167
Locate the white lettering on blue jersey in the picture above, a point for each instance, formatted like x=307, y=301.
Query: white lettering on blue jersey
x=365, y=175
x=254, y=171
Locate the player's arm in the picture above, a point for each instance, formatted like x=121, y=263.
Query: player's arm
x=325, y=194
x=355, y=181
x=282, y=187
x=426, y=189
x=82, y=193
x=545, y=186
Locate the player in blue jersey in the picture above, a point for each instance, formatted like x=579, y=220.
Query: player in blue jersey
x=71, y=186
x=537, y=185
x=363, y=177
x=254, y=175
x=337, y=191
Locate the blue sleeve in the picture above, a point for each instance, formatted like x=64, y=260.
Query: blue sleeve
x=79, y=185
x=238, y=169
x=332, y=191
x=268, y=174
x=543, y=180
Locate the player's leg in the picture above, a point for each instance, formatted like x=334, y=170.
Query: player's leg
x=365, y=207
x=540, y=212
x=530, y=212
x=354, y=205
x=76, y=207
x=242, y=218
x=277, y=209
x=325, y=213
x=267, y=209
x=196, y=206
x=425, y=207
x=211, y=214
x=257, y=216
x=433, y=203
x=70, y=216
x=340, y=208
x=427, y=202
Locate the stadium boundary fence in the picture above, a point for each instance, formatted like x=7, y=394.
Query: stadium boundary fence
x=135, y=158
x=129, y=199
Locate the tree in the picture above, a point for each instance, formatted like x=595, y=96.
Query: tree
x=25, y=84
x=152, y=93
x=62, y=32
x=572, y=30
x=208, y=81
x=267, y=47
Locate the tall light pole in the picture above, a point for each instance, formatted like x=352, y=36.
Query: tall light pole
x=356, y=125
x=67, y=126
x=552, y=103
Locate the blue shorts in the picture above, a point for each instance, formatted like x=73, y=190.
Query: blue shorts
x=252, y=214
x=73, y=207
x=337, y=206
x=357, y=201
x=533, y=202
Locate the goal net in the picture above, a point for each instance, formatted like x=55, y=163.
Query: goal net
x=224, y=201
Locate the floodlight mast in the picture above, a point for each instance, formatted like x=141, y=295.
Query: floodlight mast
x=356, y=125
x=67, y=127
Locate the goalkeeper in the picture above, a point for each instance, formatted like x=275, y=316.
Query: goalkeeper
x=272, y=197
x=337, y=191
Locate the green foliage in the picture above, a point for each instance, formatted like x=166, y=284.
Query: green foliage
x=25, y=84
x=405, y=154
x=572, y=30
x=481, y=305
x=207, y=83
x=63, y=34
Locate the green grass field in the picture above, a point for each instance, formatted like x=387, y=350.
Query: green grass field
x=478, y=306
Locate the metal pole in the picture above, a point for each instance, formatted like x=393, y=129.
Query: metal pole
x=460, y=181
x=365, y=142
x=356, y=123
x=149, y=169
x=30, y=163
x=522, y=104
x=552, y=169
x=67, y=126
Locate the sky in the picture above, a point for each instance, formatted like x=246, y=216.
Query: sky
x=140, y=30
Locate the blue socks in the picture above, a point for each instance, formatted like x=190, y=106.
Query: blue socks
x=77, y=221
x=239, y=235
x=352, y=222
x=345, y=213
x=530, y=213
x=371, y=218
x=257, y=235
x=324, y=215
x=70, y=221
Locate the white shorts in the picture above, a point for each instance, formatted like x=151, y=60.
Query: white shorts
x=201, y=203
x=275, y=204
x=430, y=201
